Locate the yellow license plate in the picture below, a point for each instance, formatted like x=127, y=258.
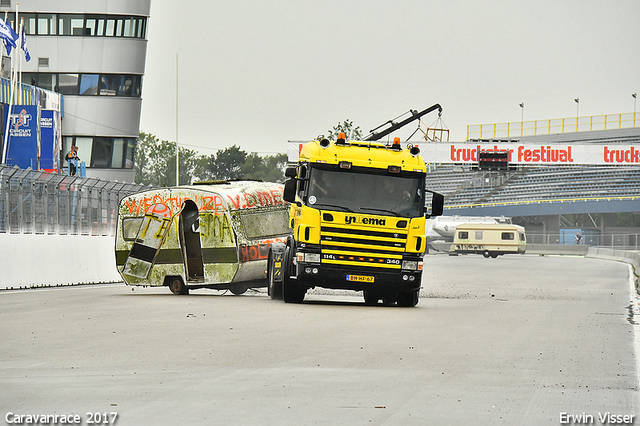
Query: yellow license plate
x=360, y=278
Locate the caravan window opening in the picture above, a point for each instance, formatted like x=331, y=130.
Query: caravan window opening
x=478, y=235
x=130, y=226
x=463, y=235
x=508, y=236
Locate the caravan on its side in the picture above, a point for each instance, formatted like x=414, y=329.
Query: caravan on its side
x=214, y=235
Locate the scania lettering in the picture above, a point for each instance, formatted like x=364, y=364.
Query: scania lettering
x=358, y=218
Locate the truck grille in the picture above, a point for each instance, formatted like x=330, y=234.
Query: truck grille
x=362, y=247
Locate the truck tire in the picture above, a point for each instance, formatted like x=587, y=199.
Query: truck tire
x=371, y=297
x=292, y=292
x=274, y=289
x=408, y=300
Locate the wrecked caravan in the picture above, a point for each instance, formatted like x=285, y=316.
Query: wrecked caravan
x=201, y=236
x=490, y=240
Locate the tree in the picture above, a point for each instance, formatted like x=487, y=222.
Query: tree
x=227, y=164
x=155, y=162
x=346, y=127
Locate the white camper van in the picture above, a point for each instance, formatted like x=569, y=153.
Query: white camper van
x=490, y=240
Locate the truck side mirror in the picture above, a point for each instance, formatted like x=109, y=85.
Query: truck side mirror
x=437, y=204
x=290, y=189
x=290, y=172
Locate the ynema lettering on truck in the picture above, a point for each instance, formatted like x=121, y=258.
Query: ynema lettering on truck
x=358, y=220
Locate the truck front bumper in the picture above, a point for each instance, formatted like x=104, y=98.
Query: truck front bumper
x=339, y=278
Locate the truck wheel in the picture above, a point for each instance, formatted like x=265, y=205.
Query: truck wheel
x=371, y=297
x=408, y=300
x=486, y=254
x=274, y=289
x=176, y=285
x=292, y=292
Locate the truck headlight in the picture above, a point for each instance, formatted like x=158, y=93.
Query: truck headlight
x=309, y=257
x=411, y=265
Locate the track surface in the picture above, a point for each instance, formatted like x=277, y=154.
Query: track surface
x=516, y=340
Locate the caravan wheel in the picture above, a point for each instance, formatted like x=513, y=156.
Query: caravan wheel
x=176, y=285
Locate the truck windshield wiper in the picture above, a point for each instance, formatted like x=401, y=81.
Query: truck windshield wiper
x=343, y=208
x=380, y=210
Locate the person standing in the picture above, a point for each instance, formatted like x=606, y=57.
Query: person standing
x=72, y=159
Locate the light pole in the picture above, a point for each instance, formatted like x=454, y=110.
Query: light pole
x=577, y=100
x=522, y=119
x=634, y=95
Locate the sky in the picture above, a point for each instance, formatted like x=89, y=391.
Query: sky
x=256, y=74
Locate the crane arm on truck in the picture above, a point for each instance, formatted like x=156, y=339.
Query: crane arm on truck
x=373, y=136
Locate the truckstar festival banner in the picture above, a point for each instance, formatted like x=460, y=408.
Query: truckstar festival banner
x=520, y=153
x=535, y=154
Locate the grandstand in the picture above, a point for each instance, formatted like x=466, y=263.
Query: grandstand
x=540, y=197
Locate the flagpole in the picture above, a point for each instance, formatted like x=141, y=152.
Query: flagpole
x=5, y=147
x=177, y=160
x=20, y=41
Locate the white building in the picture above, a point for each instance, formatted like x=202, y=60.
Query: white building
x=93, y=53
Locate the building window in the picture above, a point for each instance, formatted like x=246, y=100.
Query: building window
x=46, y=24
x=110, y=84
x=68, y=84
x=101, y=155
x=68, y=24
x=29, y=20
x=101, y=152
x=89, y=84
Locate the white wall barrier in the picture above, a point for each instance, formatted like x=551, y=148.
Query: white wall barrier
x=31, y=260
x=627, y=256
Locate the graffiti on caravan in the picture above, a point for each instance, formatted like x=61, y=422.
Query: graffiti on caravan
x=212, y=203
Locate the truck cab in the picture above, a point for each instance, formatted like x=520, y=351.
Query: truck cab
x=358, y=212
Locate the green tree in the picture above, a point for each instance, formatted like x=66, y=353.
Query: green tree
x=269, y=168
x=346, y=127
x=155, y=162
x=227, y=163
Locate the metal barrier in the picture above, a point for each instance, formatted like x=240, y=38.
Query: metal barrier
x=556, y=125
x=618, y=241
x=37, y=202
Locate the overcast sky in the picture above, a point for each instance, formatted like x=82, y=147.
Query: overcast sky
x=256, y=73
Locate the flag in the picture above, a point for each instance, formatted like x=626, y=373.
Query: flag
x=27, y=55
x=8, y=36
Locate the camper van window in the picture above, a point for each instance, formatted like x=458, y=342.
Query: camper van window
x=508, y=236
x=522, y=237
x=463, y=235
x=478, y=235
x=266, y=224
x=130, y=226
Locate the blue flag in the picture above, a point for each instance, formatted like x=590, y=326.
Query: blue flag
x=27, y=55
x=8, y=36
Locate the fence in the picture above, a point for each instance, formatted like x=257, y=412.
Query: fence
x=36, y=202
x=557, y=125
x=618, y=241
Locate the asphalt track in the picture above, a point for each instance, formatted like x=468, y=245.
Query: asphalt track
x=520, y=340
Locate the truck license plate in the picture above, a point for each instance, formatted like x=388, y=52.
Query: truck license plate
x=360, y=278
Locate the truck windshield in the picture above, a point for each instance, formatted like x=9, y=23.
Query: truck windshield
x=366, y=193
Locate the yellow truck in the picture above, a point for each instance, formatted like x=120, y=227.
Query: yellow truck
x=358, y=212
x=214, y=235
x=490, y=240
